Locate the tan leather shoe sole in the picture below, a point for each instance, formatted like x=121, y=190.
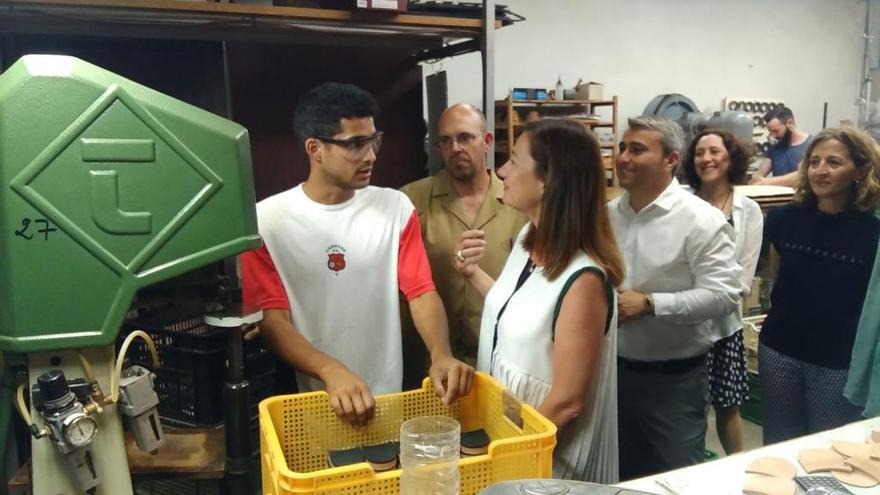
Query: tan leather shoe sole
x=819, y=460
x=766, y=485
x=850, y=449
x=856, y=478
x=773, y=466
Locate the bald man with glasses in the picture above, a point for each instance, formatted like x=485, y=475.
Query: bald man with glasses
x=463, y=196
x=336, y=254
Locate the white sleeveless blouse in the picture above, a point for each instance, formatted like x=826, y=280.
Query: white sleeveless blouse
x=586, y=448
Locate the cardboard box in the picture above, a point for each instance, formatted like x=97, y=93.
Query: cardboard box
x=589, y=91
x=383, y=5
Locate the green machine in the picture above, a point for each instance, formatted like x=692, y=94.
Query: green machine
x=106, y=187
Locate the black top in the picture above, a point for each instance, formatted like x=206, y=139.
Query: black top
x=824, y=268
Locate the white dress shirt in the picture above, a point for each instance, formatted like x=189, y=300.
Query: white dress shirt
x=680, y=250
x=748, y=224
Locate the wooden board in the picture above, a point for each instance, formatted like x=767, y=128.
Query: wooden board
x=269, y=10
x=193, y=454
x=765, y=191
x=201, y=452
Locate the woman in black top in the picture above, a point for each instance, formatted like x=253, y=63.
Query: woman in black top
x=825, y=243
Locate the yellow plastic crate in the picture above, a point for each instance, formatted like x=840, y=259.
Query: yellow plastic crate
x=297, y=431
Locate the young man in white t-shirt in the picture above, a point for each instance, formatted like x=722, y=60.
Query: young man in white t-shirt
x=336, y=254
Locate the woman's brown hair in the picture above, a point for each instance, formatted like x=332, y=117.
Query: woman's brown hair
x=740, y=153
x=574, y=211
x=864, y=153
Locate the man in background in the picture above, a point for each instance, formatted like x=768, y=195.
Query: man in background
x=786, y=155
x=463, y=196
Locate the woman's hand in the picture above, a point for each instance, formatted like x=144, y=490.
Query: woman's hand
x=469, y=252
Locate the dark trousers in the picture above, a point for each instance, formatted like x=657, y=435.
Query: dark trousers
x=661, y=418
x=800, y=398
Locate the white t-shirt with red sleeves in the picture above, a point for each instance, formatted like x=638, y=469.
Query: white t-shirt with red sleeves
x=339, y=270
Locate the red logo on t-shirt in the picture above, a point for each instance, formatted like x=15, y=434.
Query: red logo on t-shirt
x=336, y=257
x=336, y=261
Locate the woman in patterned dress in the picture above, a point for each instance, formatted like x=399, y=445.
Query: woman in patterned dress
x=716, y=160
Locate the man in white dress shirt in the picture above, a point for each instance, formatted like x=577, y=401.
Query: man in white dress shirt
x=681, y=271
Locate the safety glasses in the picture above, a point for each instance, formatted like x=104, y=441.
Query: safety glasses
x=356, y=147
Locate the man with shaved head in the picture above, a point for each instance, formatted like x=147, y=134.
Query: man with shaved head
x=463, y=196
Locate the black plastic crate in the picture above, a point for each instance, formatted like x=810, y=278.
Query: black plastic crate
x=178, y=487
x=176, y=337
x=254, y=434
x=191, y=377
x=260, y=387
x=258, y=363
x=194, y=396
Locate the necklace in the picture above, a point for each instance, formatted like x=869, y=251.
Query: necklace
x=723, y=206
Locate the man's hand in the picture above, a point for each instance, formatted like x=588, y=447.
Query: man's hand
x=630, y=305
x=350, y=396
x=250, y=332
x=469, y=251
x=451, y=378
x=759, y=180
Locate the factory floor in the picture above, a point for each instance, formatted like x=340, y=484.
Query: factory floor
x=751, y=435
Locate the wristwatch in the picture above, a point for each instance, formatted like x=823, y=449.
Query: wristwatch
x=649, y=304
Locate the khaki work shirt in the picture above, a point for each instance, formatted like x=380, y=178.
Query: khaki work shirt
x=443, y=220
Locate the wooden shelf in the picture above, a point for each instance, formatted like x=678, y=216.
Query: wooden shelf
x=550, y=103
x=506, y=133
x=259, y=10
x=581, y=119
x=237, y=22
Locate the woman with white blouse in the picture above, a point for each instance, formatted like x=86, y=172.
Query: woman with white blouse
x=715, y=161
x=549, y=325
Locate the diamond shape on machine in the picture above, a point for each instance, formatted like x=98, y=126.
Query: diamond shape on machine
x=22, y=183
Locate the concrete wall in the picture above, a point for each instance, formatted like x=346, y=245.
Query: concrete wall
x=806, y=52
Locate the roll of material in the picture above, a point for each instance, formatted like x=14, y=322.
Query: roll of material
x=339, y=458
x=382, y=457
x=739, y=123
x=474, y=442
x=672, y=106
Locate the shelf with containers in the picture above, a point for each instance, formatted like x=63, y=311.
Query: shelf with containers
x=600, y=116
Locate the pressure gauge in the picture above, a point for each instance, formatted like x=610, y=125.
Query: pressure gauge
x=79, y=429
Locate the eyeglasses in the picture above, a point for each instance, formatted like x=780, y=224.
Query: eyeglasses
x=463, y=139
x=356, y=147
